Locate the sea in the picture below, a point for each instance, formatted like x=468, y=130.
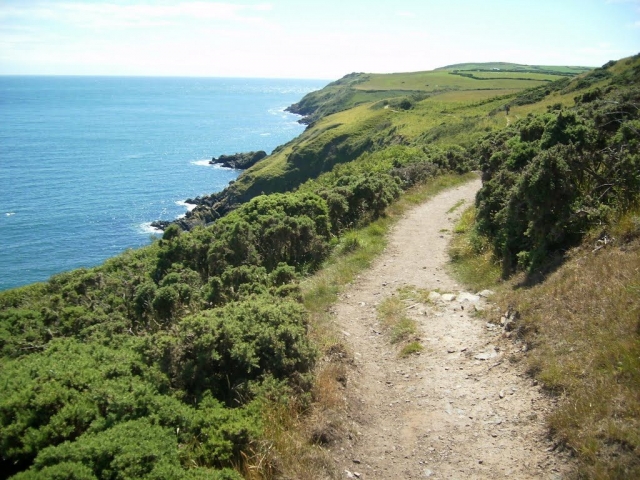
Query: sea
x=87, y=163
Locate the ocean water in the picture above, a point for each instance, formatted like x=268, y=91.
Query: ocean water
x=86, y=163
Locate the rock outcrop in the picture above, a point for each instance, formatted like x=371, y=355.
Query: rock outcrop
x=240, y=161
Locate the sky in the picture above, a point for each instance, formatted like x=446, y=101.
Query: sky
x=307, y=38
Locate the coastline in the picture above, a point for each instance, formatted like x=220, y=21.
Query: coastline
x=112, y=178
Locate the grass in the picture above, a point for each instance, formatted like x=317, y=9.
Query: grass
x=471, y=259
x=411, y=348
x=516, y=67
x=582, y=327
x=285, y=449
x=457, y=205
x=513, y=75
x=391, y=313
x=583, y=323
x=399, y=327
x=436, y=81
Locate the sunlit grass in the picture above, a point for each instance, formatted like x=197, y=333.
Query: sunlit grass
x=472, y=261
x=584, y=324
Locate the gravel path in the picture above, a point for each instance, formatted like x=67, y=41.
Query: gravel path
x=460, y=409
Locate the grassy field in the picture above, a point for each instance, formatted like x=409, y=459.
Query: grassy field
x=544, y=77
x=438, y=81
x=515, y=67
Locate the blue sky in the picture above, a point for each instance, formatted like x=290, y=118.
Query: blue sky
x=307, y=38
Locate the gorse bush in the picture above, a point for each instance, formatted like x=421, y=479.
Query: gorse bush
x=166, y=346
x=356, y=199
x=154, y=365
x=549, y=178
x=224, y=349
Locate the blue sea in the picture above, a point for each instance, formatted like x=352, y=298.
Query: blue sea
x=86, y=163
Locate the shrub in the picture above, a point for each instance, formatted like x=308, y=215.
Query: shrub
x=224, y=349
x=549, y=178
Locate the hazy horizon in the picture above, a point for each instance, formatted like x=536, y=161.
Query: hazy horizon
x=306, y=40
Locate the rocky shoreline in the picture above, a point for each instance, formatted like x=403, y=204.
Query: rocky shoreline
x=239, y=161
x=211, y=207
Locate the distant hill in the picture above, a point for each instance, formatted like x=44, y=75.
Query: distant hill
x=360, y=88
x=516, y=67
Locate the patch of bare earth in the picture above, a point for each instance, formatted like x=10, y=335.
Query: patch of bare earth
x=462, y=408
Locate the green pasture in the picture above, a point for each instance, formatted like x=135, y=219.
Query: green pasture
x=439, y=81
x=516, y=67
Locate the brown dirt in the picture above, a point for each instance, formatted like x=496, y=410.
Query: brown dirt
x=442, y=413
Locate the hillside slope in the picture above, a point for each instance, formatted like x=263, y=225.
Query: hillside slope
x=559, y=215
x=366, y=113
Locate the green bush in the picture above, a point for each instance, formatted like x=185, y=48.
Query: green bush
x=549, y=178
x=224, y=349
x=357, y=199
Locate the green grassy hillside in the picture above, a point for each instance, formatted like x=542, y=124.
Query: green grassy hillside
x=370, y=112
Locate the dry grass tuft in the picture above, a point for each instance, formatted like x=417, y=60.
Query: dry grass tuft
x=411, y=349
x=286, y=451
x=400, y=328
x=330, y=382
x=584, y=325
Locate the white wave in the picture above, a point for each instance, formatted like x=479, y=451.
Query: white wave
x=205, y=163
x=9, y=214
x=202, y=163
x=278, y=111
x=265, y=134
x=148, y=229
x=188, y=206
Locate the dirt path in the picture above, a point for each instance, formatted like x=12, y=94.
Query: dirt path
x=460, y=409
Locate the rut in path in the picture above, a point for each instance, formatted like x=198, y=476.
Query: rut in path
x=460, y=409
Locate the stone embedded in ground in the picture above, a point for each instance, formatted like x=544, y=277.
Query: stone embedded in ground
x=468, y=297
x=486, y=293
x=434, y=297
x=486, y=355
x=448, y=297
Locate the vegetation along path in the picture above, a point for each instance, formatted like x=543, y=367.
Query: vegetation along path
x=458, y=409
